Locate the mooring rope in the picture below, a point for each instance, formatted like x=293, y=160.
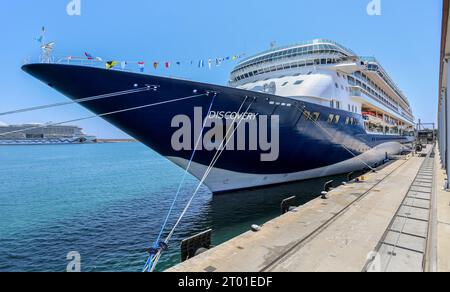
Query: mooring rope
x=152, y=263
x=208, y=170
x=216, y=157
x=78, y=101
x=103, y=115
x=163, y=227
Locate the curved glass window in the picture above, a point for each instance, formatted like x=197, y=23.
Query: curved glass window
x=291, y=53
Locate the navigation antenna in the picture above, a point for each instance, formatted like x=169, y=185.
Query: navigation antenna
x=46, y=48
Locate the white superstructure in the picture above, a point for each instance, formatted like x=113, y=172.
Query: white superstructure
x=326, y=73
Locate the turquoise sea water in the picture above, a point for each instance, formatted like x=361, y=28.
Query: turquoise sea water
x=107, y=202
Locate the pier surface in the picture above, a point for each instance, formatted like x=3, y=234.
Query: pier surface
x=397, y=219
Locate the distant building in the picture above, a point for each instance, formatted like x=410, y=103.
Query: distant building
x=37, y=134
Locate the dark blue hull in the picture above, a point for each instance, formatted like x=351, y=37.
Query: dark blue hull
x=307, y=149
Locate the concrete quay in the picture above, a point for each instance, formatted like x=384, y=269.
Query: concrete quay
x=396, y=219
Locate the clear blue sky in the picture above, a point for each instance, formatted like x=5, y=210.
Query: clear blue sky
x=405, y=39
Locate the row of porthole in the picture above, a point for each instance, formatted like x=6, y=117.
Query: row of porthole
x=384, y=139
x=363, y=150
x=348, y=120
x=316, y=115
x=280, y=103
x=332, y=119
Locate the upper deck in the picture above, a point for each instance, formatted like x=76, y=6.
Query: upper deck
x=261, y=63
x=363, y=73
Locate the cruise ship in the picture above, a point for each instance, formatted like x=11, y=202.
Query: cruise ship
x=39, y=134
x=336, y=112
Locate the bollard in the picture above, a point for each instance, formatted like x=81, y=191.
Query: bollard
x=286, y=204
x=256, y=228
x=328, y=185
x=326, y=189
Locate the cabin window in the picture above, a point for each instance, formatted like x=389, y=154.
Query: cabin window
x=315, y=117
x=298, y=82
x=347, y=120
x=285, y=83
x=337, y=118
x=307, y=115
x=330, y=118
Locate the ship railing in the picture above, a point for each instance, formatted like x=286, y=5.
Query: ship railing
x=279, y=65
x=86, y=62
x=283, y=60
x=310, y=42
x=361, y=92
x=383, y=74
